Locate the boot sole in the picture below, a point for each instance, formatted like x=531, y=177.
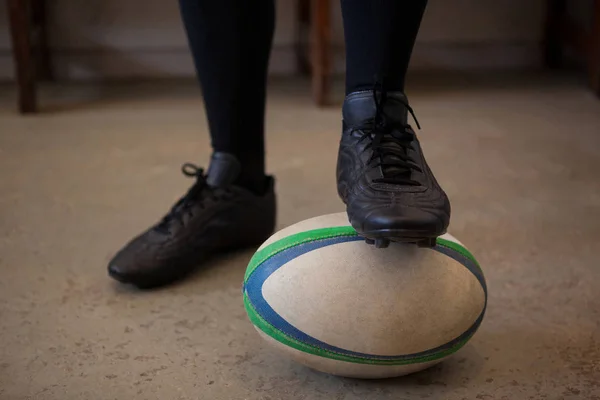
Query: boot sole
x=159, y=279
x=383, y=237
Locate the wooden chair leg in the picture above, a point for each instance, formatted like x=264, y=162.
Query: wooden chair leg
x=18, y=11
x=39, y=35
x=321, y=50
x=302, y=36
x=553, y=54
x=594, y=50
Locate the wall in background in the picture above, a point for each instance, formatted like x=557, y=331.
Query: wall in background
x=144, y=38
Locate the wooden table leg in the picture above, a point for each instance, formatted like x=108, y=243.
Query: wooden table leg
x=321, y=50
x=18, y=11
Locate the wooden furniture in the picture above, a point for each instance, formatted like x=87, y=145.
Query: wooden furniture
x=313, y=49
x=30, y=49
x=32, y=57
x=314, y=16
x=562, y=30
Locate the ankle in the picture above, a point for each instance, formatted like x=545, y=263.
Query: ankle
x=257, y=184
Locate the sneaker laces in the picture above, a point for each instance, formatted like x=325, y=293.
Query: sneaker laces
x=196, y=195
x=390, y=144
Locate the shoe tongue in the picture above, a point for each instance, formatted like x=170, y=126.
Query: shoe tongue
x=223, y=170
x=391, y=159
x=360, y=106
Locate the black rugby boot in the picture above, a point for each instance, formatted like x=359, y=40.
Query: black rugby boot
x=382, y=176
x=214, y=216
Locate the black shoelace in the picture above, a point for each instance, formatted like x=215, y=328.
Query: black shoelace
x=196, y=195
x=390, y=144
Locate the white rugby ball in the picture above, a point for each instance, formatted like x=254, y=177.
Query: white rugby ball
x=318, y=293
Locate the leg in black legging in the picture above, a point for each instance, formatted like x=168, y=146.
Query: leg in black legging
x=380, y=35
x=393, y=196
x=230, y=42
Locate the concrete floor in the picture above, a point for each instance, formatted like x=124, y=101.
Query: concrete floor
x=519, y=157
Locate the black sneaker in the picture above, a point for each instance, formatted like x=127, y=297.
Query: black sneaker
x=383, y=178
x=214, y=216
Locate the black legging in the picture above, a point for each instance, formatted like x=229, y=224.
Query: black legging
x=231, y=40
